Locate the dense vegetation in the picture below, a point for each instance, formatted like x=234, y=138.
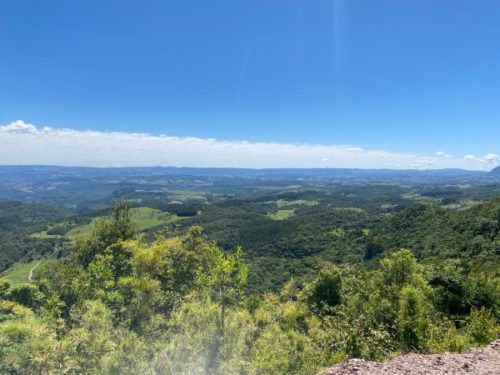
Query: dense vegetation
x=17, y=221
x=342, y=228
x=180, y=304
x=285, y=219
x=141, y=288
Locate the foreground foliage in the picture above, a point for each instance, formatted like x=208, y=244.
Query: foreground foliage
x=179, y=306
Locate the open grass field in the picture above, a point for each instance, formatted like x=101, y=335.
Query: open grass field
x=337, y=233
x=143, y=217
x=281, y=214
x=387, y=206
x=281, y=203
x=463, y=204
x=18, y=274
x=349, y=209
x=184, y=196
x=44, y=234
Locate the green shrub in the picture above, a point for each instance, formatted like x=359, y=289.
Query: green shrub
x=483, y=326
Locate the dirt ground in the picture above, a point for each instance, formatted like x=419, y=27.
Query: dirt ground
x=478, y=361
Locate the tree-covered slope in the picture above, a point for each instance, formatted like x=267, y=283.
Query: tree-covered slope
x=180, y=305
x=344, y=229
x=495, y=171
x=471, y=236
x=17, y=221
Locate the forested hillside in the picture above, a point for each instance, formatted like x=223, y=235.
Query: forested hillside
x=121, y=305
x=250, y=274
x=495, y=171
x=17, y=221
x=470, y=236
x=288, y=222
x=348, y=229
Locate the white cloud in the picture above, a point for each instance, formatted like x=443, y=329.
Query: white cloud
x=22, y=143
x=490, y=159
x=19, y=127
x=471, y=157
x=354, y=149
x=443, y=154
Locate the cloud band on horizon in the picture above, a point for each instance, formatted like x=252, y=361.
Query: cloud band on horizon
x=23, y=143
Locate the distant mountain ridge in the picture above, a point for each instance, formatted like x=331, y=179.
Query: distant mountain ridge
x=206, y=171
x=495, y=171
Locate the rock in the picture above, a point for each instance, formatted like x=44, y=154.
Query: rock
x=478, y=362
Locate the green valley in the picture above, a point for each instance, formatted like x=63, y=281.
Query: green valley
x=246, y=274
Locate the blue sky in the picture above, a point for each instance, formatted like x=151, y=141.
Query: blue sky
x=405, y=77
